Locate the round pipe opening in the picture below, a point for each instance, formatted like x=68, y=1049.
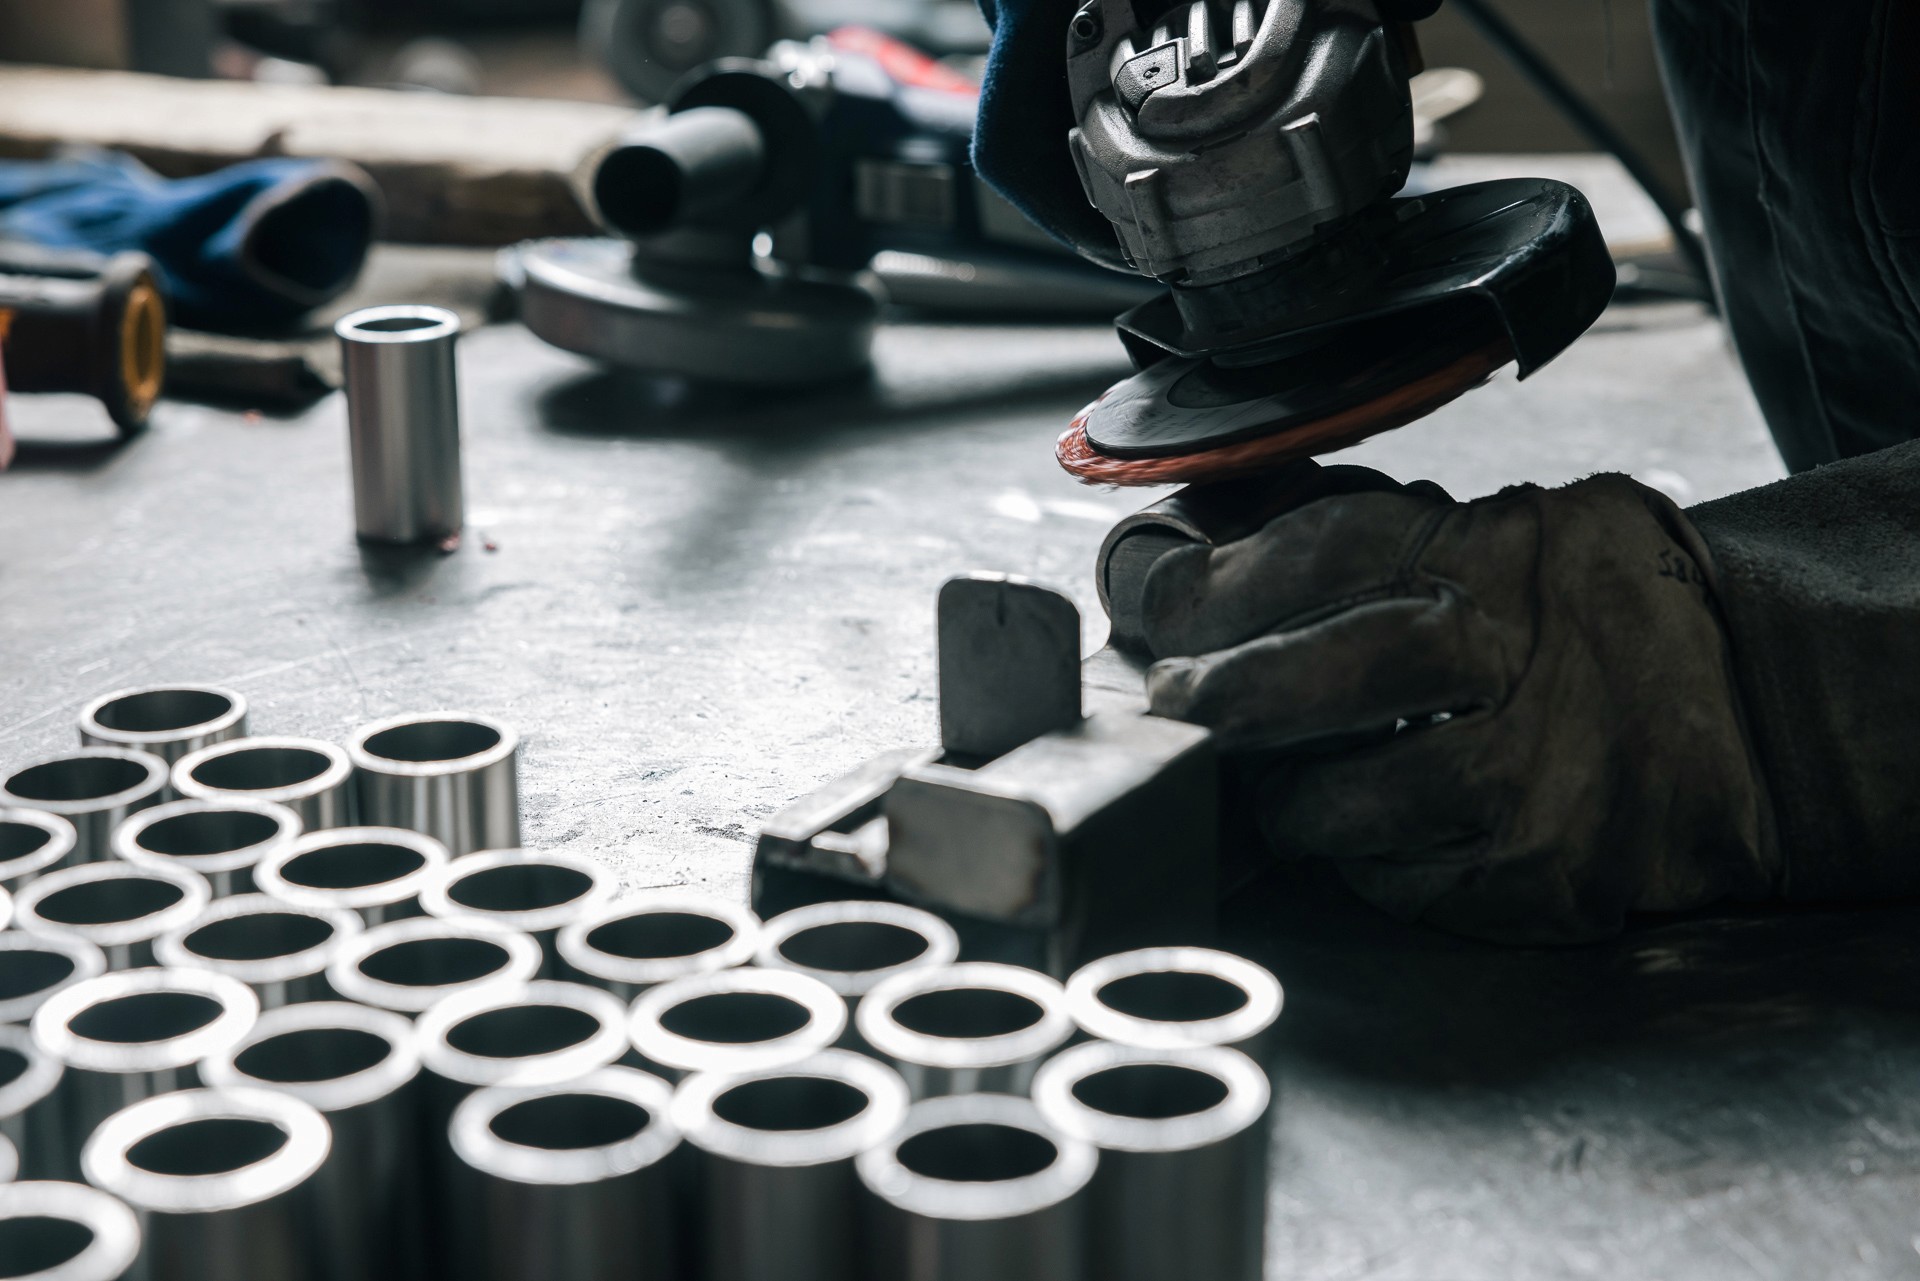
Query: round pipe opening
x=163, y=711
x=1173, y=996
x=402, y=323
x=977, y=1152
x=854, y=946
x=64, y=1232
x=207, y=1147
x=522, y=1031
x=435, y=962
x=143, y=1018
x=432, y=741
x=570, y=1122
x=736, y=1018
x=117, y=900
x=309, y=1056
x=29, y=971
x=1142, y=1099
x=1151, y=1091
x=200, y=833
x=969, y=1013
x=36, y=1244
x=258, y=936
x=830, y=1106
x=260, y=769
x=78, y=779
x=659, y=936
x=331, y=1055
x=206, y=1151
x=788, y=1103
x=519, y=887
x=20, y=840
x=354, y=866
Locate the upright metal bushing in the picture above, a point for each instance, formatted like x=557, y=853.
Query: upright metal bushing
x=976, y=1187
x=35, y=966
x=775, y=1184
x=118, y=907
x=32, y=842
x=129, y=1036
x=412, y=965
x=452, y=775
x=1183, y=1138
x=223, y=1181
x=539, y=1033
x=221, y=839
x=976, y=1028
x=403, y=422
x=575, y=1180
x=1174, y=997
x=733, y=1021
x=311, y=777
x=95, y=789
x=167, y=720
x=854, y=945
x=375, y=871
x=358, y=1067
x=645, y=940
x=29, y=1102
x=279, y=950
x=537, y=892
x=66, y=1232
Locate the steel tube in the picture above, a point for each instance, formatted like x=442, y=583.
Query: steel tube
x=375, y=871
x=167, y=720
x=127, y=1037
x=32, y=842
x=412, y=965
x=977, y=1028
x=855, y=945
x=1174, y=997
x=452, y=775
x=403, y=422
x=279, y=950
x=734, y=1021
x=223, y=840
x=119, y=908
x=1183, y=1138
x=774, y=1154
x=6, y=908
x=223, y=1182
x=978, y=1187
x=35, y=966
x=648, y=939
x=66, y=1232
x=29, y=1102
x=358, y=1067
x=94, y=789
x=533, y=891
x=311, y=777
x=9, y=1160
x=573, y=1181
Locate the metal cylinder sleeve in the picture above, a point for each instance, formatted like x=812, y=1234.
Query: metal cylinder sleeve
x=118, y=907
x=311, y=777
x=535, y=891
x=377, y=872
x=279, y=950
x=95, y=789
x=648, y=939
x=451, y=775
x=66, y=1232
x=1165, y=998
x=412, y=965
x=856, y=944
x=167, y=720
x=29, y=1103
x=221, y=840
x=733, y=1021
x=403, y=422
x=35, y=966
x=976, y=1028
x=32, y=842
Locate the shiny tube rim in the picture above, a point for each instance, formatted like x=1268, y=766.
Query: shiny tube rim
x=1069, y=1172
x=126, y=838
x=270, y=874
x=308, y=1140
x=6, y=907
x=9, y=1160
x=88, y=962
x=350, y=981
x=826, y=1020
x=153, y=785
x=172, y=948
x=886, y=1110
x=576, y=950
x=91, y=728
x=1248, y=1093
x=195, y=894
x=338, y=773
x=1264, y=998
x=943, y=943
x=239, y=1007
x=335, y=1094
x=879, y=1028
x=114, y=1227
x=475, y=1143
x=62, y=837
x=436, y=894
x=42, y=1075
x=374, y=763
x=350, y=328
x=440, y=1056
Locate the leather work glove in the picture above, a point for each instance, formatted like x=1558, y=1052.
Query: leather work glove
x=1516, y=718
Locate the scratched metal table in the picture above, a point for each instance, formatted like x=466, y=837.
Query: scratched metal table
x=697, y=606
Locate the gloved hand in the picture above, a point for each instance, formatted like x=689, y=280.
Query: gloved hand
x=1515, y=718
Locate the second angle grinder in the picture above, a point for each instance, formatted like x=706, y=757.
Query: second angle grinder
x=1247, y=153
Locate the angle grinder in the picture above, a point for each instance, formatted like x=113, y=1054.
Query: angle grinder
x=1248, y=154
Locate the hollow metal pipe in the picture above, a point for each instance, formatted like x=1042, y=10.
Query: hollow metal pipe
x=452, y=775
x=734, y=1021
x=1175, y=997
x=648, y=939
x=9, y=1160
x=32, y=842
x=403, y=422
x=310, y=776
x=377, y=872
x=358, y=1067
x=223, y=840
x=411, y=965
x=854, y=945
x=95, y=789
x=975, y=1028
x=118, y=907
x=29, y=1110
x=576, y=1180
x=34, y=966
x=6, y=908
x=774, y=1163
x=534, y=891
x=279, y=950
x=978, y=1187
x=167, y=720
x=129, y=1036
x=223, y=1181
x=66, y=1232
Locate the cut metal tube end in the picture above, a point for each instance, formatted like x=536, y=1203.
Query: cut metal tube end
x=95, y=789
x=377, y=872
x=648, y=939
x=403, y=422
x=167, y=720
x=853, y=945
x=29, y=1108
x=279, y=950
x=32, y=842
x=452, y=775
x=534, y=891
x=35, y=966
x=412, y=965
x=975, y=1028
x=118, y=907
x=539, y=1033
x=734, y=1021
x=220, y=839
x=69, y=1231
x=1175, y=997
x=311, y=777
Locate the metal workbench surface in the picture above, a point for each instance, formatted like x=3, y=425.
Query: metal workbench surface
x=698, y=605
